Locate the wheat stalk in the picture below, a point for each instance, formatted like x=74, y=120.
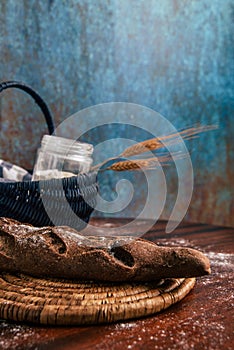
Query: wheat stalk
x=147, y=163
x=162, y=141
x=153, y=144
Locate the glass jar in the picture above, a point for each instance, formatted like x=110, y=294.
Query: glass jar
x=59, y=157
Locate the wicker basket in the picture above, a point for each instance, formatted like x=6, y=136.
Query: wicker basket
x=24, y=201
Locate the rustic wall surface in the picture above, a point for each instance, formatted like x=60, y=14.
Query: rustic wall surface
x=173, y=56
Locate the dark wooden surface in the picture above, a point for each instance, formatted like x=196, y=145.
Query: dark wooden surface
x=203, y=320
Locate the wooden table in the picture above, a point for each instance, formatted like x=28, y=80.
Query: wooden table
x=203, y=320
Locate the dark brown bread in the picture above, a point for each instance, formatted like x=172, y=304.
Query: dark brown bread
x=64, y=253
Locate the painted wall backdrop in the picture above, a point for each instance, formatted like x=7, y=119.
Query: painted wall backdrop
x=174, y=56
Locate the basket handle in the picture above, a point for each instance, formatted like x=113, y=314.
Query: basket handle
x=37, y=98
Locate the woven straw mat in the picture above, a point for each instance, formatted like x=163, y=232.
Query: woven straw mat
x=62, y=302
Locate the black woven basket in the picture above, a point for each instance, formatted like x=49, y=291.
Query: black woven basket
x=67, y=201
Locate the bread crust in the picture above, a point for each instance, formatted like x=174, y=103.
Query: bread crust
x=62, y=252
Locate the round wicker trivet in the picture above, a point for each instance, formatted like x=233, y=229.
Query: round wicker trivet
x=61, y=302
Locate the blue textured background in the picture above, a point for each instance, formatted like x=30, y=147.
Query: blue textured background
x=174, y=56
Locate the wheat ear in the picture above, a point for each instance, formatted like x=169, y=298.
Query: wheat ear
x=151, y=145
x=162, y=141
x=147, y=164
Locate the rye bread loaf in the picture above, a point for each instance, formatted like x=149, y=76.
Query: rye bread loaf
x=62, y=252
